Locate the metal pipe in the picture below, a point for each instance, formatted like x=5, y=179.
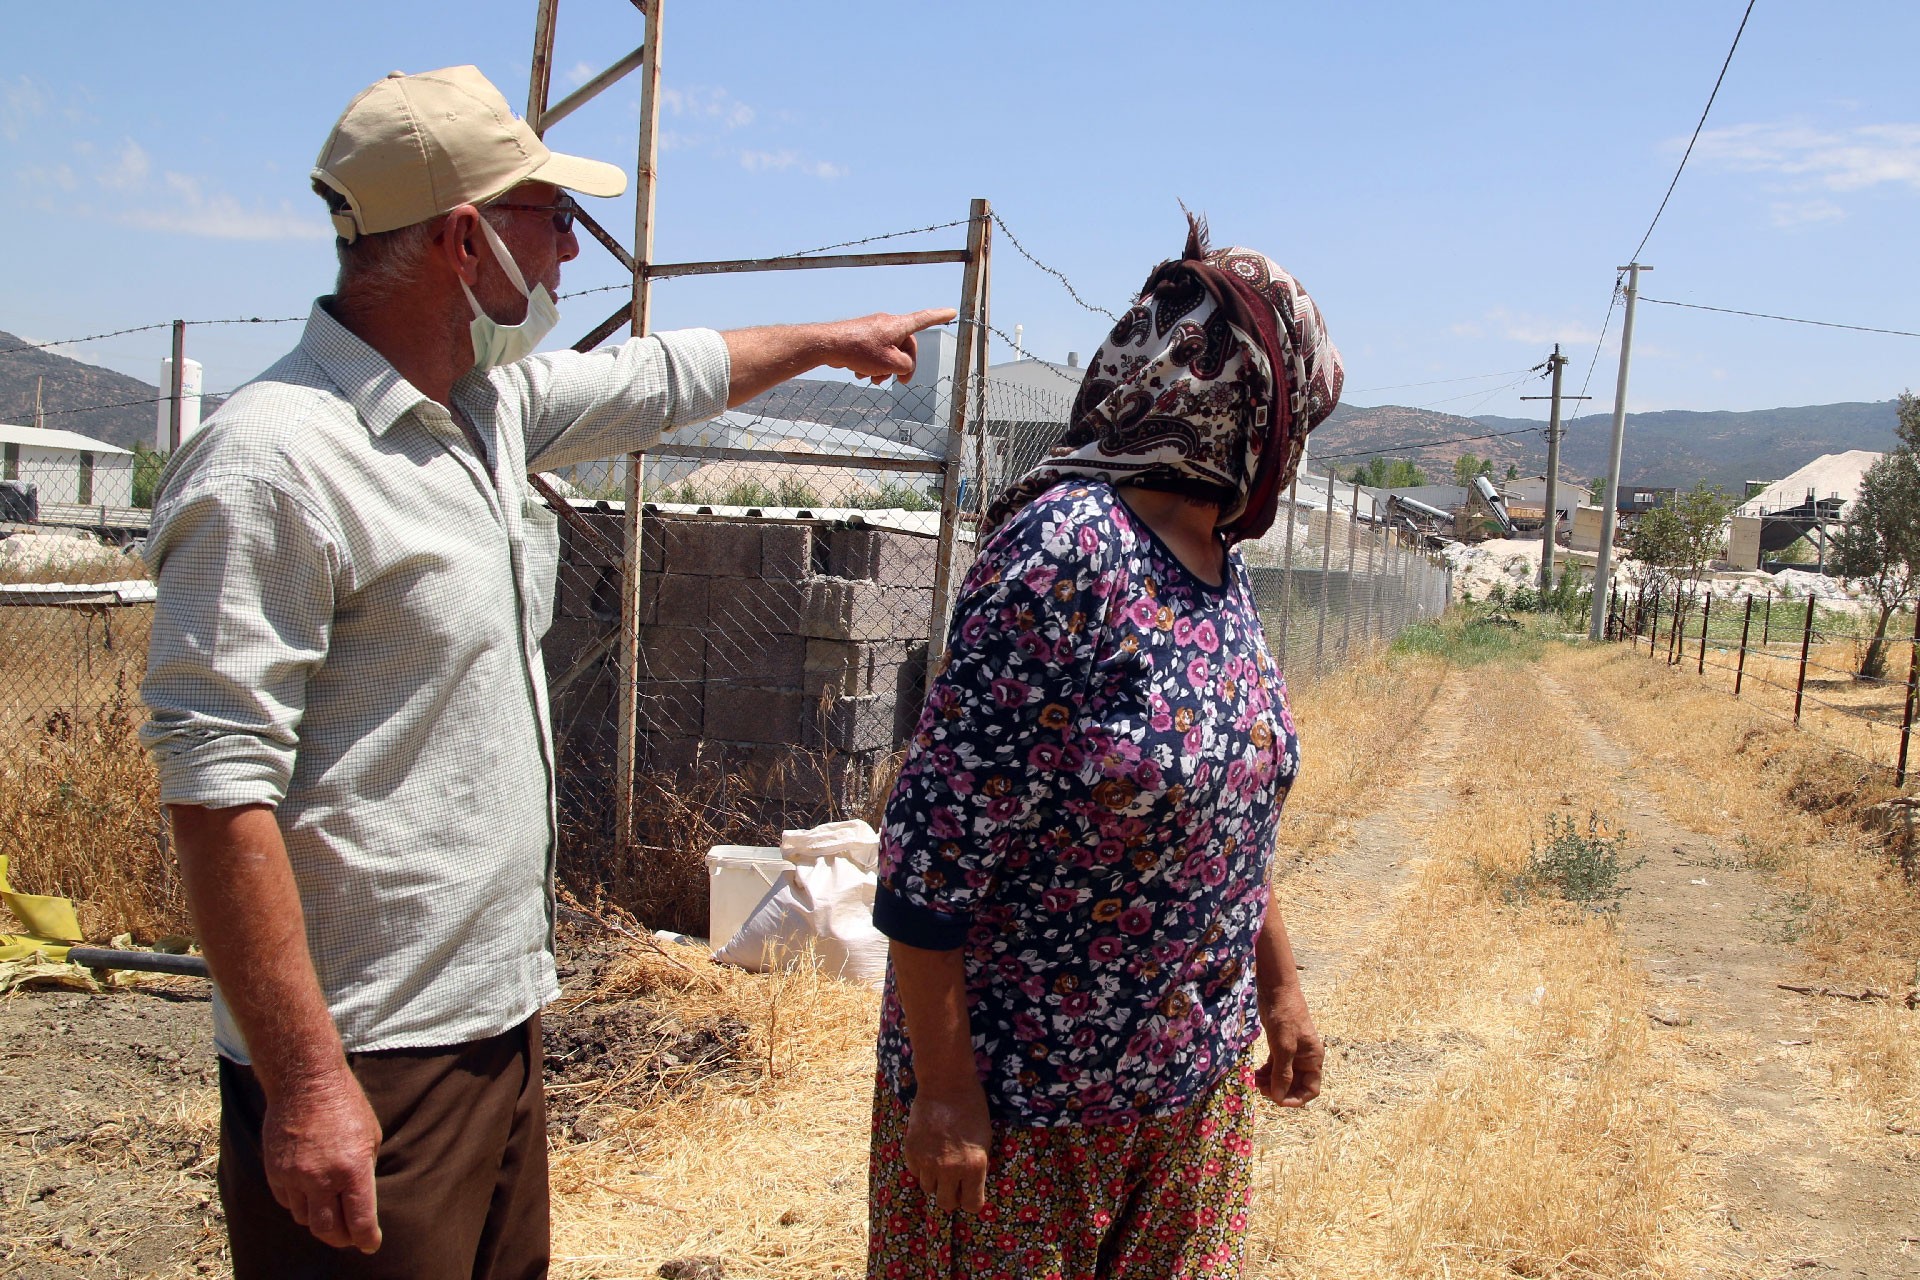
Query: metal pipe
x=141, y=961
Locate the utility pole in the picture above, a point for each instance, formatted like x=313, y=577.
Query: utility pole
x=1610, y=505
x=39, y=413
x=1550, y=526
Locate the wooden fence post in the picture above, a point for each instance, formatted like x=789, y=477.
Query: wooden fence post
x=1706, y=616
x=1806, y=643
x=1766, y=624
x=1913, y=687
x=1746, y=626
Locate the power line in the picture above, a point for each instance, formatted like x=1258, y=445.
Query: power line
x=1402, y=386
x=1430, y=444
x=1696, y=134
x=1762, y=315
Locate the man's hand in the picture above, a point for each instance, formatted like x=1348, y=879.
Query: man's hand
x=1291, y=1074
x=882, y=346
x=875, y=347
x=947, y=1140
x=319, y=1141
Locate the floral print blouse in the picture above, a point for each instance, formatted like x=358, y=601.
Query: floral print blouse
x=1088, y=810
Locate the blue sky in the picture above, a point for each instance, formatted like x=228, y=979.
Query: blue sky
x=1454, y=182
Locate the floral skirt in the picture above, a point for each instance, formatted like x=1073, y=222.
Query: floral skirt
x=1165, y=1199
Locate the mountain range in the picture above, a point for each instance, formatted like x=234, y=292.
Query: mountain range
x=1673, y=447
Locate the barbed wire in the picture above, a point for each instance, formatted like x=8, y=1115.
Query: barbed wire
x=128, y=404
x=143, y=328
x=885, y=235
x=1055, y=273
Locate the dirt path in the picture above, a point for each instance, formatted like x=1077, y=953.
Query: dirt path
x=1343, y=897
x=1715, y=938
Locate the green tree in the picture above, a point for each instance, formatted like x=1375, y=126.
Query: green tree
x=1466, y=467
x=1389, y=473
x=1675, y=543
x=147, y=466
x=1878, y=545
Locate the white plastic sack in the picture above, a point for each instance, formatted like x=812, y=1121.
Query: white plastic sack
x=825, y=903
x=851, y=839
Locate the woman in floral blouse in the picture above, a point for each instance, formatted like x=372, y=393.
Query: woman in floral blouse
x=1074, y=862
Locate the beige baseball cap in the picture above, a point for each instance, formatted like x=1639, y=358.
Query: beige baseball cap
x=410, y=148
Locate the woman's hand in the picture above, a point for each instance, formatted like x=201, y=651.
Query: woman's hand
x=947, y=1140
x=1291, y=1074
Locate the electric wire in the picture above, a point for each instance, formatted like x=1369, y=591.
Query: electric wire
x=1702, y=124
x=1763, y=315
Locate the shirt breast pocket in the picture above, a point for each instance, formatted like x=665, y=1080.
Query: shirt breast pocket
x=541, y=532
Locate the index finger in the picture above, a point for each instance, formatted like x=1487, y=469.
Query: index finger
x=931, y=317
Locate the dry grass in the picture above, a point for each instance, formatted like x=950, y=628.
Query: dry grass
x=66, y=660
x=1785, y=802
x=81, y=805
x=768, y=1172
x=1497, y=1105
x=1360, y=729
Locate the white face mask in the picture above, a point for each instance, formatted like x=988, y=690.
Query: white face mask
x=495, y=344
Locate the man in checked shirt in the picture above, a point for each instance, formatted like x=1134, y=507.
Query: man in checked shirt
x=348, y=707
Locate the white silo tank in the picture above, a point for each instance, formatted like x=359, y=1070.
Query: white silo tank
x=190, y=387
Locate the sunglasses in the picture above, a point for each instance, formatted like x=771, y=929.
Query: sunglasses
x=562, y=210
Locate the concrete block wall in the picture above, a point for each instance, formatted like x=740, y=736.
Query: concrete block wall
x=791, y=653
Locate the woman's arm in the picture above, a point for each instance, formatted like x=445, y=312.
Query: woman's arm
x=948, y=1127
x=1291, y=1074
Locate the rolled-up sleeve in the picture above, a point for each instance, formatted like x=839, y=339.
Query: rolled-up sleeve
x=585, y=406
x=995, y=742
x=247, y=574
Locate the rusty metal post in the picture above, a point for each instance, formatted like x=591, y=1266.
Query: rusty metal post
x=646, y=178
x=1346, y=596
x=1653, y=627
x=1678, y=625
x=969, y=357
x=1746, y=626
x=1326, y=596
x=1286, y=572
x=1706, y=619
x=1913, y=688
x=1806, y=643
x=177, y=392
x=1766, y=622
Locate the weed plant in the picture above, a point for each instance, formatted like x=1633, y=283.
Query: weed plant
x=1471, y=636
x=1581, y=866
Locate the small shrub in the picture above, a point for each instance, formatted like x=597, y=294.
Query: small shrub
x=1523, y=600
x=1579, y=866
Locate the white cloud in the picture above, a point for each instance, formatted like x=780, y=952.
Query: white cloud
x=581, y=72
x=1847, y=159
x=1466, y=329
x=20, y=101
x=1800, y=213
x=788, y=159
x=129, y=169
x=703, y=103
x=1535, y=329
x=192, y=211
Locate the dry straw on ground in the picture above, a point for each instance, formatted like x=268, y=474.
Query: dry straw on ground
x=1782, y=801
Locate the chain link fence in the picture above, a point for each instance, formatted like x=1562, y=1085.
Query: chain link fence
x=780, y=622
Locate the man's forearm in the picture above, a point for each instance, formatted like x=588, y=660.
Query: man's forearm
x=876, y=347
x=247, y=909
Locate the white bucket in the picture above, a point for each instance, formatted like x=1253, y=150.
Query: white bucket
x=738, y=877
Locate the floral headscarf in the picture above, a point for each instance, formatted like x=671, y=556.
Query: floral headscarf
x=1216, y=374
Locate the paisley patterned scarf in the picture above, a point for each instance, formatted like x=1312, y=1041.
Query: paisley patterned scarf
x=1216, y=374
